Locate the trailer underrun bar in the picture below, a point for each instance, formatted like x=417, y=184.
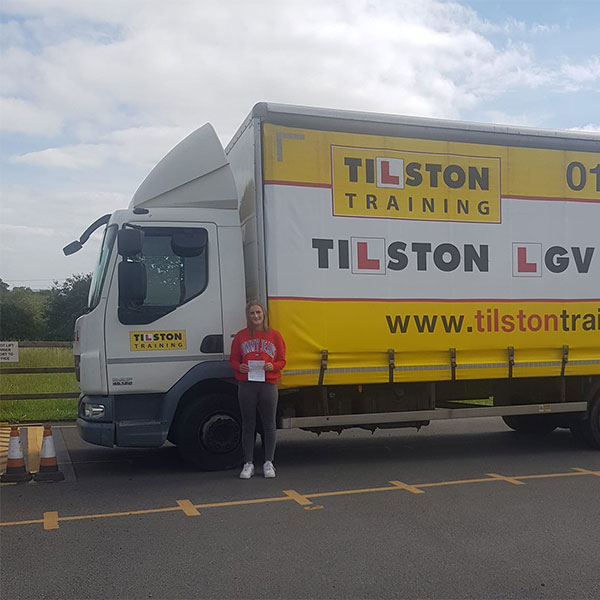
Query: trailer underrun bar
x=428, y=415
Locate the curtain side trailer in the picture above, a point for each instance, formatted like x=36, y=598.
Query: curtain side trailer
x=418, y=269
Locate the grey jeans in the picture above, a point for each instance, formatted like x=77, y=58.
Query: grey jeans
x=261, y=395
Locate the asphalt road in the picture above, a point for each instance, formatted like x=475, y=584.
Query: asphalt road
x=476, y=511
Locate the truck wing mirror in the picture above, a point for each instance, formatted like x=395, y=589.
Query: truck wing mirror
x=132, y=284
x=189, y=243
x=73, y=247
x=129, y=242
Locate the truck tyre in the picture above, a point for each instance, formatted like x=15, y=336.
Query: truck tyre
x=531, y=424
x=595, y=421
x=211, y=433
x=582, y=432
x=587, y=431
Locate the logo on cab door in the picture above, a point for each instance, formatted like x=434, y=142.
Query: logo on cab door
x=156, y=340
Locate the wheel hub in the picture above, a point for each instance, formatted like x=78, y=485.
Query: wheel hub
x=220, y=433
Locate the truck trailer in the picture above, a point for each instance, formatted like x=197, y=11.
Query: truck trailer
x=418, y=269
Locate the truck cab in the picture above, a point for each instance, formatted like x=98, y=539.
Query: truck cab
x=165, y=300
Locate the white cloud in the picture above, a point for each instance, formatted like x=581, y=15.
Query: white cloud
x=11, y=34
x=581, y=74
x=594, y=128
x=176, y=67
x=537, y=28
x=25, y=230
x=23, y=116
x=37, y=224
x=68, y=157
x=140, y=146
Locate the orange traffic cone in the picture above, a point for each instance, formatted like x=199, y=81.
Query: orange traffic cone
x=48, y=463
x=15, y=464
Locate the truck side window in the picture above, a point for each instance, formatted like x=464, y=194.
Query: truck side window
x=110, y=234
x=176, y=268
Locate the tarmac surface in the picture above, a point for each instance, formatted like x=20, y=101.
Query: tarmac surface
x=461, y=509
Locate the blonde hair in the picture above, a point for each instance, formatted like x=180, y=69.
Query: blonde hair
x=249, y=305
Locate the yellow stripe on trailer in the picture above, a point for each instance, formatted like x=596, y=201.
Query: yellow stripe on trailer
x=358, y=334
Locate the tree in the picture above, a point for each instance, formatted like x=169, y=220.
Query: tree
x=66, y=302
x=21, y=313
x=16, y=323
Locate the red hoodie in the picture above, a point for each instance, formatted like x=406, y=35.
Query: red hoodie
x=258, y=345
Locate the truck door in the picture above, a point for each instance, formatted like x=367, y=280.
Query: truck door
x=176, y=319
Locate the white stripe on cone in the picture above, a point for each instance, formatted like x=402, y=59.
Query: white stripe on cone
x=48, y=448
x=15, y=450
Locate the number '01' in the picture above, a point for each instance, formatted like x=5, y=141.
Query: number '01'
x=577, y=176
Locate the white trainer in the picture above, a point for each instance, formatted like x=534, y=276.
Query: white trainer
x=269, y=470
x=247, y=471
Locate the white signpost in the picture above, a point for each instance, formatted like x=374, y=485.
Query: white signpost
x=9, y=351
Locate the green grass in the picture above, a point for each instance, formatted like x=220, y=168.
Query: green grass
x=481, y=402
x=52, y=409
x=38, y=411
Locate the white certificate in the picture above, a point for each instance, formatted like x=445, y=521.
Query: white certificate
x=257, y=370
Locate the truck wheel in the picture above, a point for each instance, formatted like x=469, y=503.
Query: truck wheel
x=531, y=424
x=587, y=430
x=211, y=433
x=582, y=432
x=595, y=421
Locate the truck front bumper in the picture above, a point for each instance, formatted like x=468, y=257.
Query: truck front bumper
x=99, y=422
x=101, y=434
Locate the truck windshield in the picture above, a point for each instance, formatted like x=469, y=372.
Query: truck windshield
x=99, y=275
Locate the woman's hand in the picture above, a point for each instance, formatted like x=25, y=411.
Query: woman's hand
x=244, y=368
x=268, y=366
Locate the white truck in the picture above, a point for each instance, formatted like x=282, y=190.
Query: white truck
x=418, y=269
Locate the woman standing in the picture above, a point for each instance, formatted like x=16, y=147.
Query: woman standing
x=257, y=358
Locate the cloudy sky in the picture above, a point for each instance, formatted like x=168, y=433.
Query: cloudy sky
x=93, y=93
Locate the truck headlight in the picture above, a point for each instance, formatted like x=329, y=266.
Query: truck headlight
x=93, y=411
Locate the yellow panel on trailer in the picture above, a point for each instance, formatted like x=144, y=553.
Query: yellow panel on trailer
x=472, y=259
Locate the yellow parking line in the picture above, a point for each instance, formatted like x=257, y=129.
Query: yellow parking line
x=512, y=480
x=409, y=488
x=51, y=519
x=569, y=474
x=349, y=492
x=188, y=508
x=299, y=498
x=29, y=522
x=587, y=472
x=458, y=482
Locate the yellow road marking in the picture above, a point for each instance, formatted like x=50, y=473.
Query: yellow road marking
x=409, y=488
x=569, y=474
x=348, y=492
x=242, y=502
x=513, y=480
x=188, y=508
x=299, y=498
x=587, y=472
x=51, y=519
x=458, y=482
